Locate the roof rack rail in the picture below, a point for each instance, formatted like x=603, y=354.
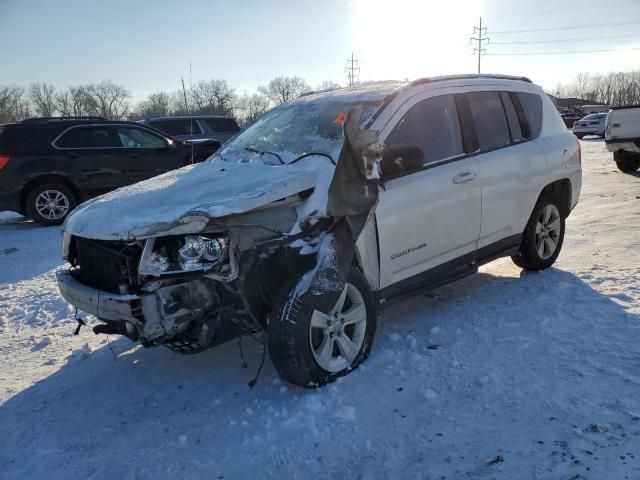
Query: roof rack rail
x=50, y=119
x=421, y=81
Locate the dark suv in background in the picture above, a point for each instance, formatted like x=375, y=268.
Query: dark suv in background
x=50, y=165
x=200, y=127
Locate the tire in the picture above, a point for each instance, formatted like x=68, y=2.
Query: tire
x=49, y=203
x=579, y=135
x=626, y=163
x=297, y=334
x=543, y=237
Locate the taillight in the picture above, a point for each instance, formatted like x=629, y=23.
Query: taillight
x=4, y=159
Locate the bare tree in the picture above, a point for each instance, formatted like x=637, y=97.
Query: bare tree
x=213, y=97
x=156, y=105
x=107, y=99
x=74, y=102
x=14, y=106
x=251, y=107
x=616, y=88
x=283, y=89
x=43, y=99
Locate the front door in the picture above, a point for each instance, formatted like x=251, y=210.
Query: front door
x=146, y=154
x=431, y=216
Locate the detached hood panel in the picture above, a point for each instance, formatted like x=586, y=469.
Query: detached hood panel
x=185, y=200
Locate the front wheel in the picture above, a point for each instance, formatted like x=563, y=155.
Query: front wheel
x=309, y=347
x=543, y=236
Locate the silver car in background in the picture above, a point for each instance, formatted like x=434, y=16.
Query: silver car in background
x=593, y=124
x=199, y=127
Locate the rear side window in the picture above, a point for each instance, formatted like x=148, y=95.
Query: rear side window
x=432, y=125
x=531, y=109
x=222, y=124
x=489, y=119
x=88, y=137
x=182, y=126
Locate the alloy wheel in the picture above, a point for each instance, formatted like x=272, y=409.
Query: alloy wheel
x=52, y=204
x=548, y=231
x=337, y=337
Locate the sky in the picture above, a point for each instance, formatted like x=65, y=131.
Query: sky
x=147, y=46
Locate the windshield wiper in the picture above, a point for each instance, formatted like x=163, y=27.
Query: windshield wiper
x=311, y=154
x=255, y=150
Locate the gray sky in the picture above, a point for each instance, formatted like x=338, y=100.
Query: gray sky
x=147, y=45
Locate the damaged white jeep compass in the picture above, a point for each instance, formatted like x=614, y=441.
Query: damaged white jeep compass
x=296, y=229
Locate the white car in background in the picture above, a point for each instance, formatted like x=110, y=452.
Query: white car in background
x=622, y=136
x=475, y=167
x=593, y=124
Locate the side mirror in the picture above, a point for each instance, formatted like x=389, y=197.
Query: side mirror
x=401, y=159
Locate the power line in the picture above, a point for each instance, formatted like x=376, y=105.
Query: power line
x=351, y=69
x=566, y=52
x=553, y=12
x=572, y=27
x=479, y=30
x=564, y=40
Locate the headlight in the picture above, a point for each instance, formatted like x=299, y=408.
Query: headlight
x=199, y=252
x=175, y=254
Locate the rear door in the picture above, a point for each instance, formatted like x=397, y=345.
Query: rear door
x=94, y=151
x=511, y=166
x=146, y=154
x=431, y=216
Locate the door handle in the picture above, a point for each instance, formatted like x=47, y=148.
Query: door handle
x=135, y=155
x=464, y=177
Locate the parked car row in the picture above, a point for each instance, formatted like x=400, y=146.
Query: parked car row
x=50, y=165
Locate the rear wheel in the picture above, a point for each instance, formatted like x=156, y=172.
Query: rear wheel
x=579, y=135
x=309, y=347
x=627, y=163
x=543, y=236
x=49, y=203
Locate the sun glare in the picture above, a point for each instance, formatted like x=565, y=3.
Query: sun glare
x=409, y=39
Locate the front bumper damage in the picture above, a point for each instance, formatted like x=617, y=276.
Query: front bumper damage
x=155, y=317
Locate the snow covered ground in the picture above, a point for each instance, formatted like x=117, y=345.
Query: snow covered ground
x=502, y=375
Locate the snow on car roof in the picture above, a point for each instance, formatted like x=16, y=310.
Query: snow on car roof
x=370, y=91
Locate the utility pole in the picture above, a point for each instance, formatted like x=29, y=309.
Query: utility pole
x=351, y=69
x=184, y=92
x=479, y=30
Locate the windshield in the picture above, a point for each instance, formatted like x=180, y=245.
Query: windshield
x=595, y=116
x=294, y=129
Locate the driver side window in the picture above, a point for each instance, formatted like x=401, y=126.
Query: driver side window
x=432, y=126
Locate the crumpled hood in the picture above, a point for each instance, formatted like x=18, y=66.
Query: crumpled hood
x=183, y=201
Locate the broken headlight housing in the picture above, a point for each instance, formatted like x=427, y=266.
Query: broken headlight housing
x=199, y=252
x=179, y=254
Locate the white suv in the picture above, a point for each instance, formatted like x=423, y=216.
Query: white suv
x=622, y=137
x=475, y=167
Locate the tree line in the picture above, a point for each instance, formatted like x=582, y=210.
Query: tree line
x=616, y=88
x=109, y=100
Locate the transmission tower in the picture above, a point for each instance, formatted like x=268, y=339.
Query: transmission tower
x=351, y=70
x=480, y=50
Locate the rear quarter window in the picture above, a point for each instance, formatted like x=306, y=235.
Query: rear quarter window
x=531, y=105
